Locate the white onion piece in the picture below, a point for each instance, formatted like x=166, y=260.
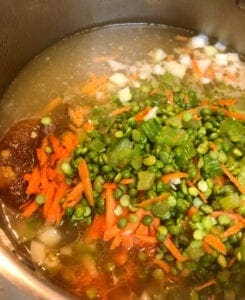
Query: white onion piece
x=157, y=55
x=220, y=46
x=136, y=84
x=218, y=76
x=231, y=69
x=158, y=70
x=176, y=69
x=199, y=41
x=145, y=71
x=50, y=236
x=119, y=79
x=124, y=95
x=233, y=57
x=203, y=64
x=206, y=80
x=116, y=66
x=185, y=59
x=210, y=50
x=151, y=114
x=38, y=252
x=221, y=59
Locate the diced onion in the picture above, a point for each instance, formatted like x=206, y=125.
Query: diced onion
x=233, y=57
x=185, y=59
x=220, y=46
x=116, y=66
x=119, y=79
x=124, y=95
x=37, y=250
x=199, y=41
x=176, y=69
x=221, y=59
x=158, y=70
x=145, y=71
x=203, y=64
x=151, y=114
x=157, y=55
x=50, y=236
x=210, y=50
x=206, y=80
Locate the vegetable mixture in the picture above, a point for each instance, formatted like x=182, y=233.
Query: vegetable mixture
x=153, y=180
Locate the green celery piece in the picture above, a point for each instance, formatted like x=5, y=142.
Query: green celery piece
x=183, y=154
x=96, y=145
x=151, y=129
x=211, y=166
x=136, y=158
x=174, y=122
x=241, y=175
x=159, y=209
x=120, y=153
x=193, y=99
x=229, y=202
x=173, y=137
x=234, y=129
x=145, y=180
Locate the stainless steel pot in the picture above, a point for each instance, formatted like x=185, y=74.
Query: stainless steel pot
x=27, y=27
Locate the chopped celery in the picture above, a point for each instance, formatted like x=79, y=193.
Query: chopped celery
x=173, y=137
x=211, y=166
x=151, y=129
x=96, y=145
x=120, y=152
x=145, y=180
x=234, y=129
x=183, y=154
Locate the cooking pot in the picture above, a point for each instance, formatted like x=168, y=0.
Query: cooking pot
x=28, y=27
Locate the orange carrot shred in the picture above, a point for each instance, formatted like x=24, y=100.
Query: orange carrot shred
x=206, y=284
x=149, y=201
x=110, y=206
x=162, y=264
x=238, y=185
x=168, y=177
x=173, y=249
x=50, y=106
x=126, y=181
x=215, y=243
x=226, y=102
x=120, y=110
x=196, y=69
x=34, y=182
x=140, y=116
x=74, y=196
x=85, y=177
x=96, y=229
x=30, y=209
x=170, y=96
x=146, y=239
x=232, y=230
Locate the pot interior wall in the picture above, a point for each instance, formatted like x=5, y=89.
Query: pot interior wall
x=29, y=27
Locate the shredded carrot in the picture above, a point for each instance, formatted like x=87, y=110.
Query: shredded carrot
x=74, y=196
x=70, y=141
x=126, y=181
x=215, y=243
x=142, y=230
x=206, y=284
x=173, y=249
x=134, y=76
x=170, y=96
x=233, y=114
x=200, y=194
x=209, y=73
x=153, y=92
x=83, y=172
x=192, y=210
x=88, y=126
x=170, y=57
x=168, y=177
x=50, y=106
x=238, y=185
x=208, y=249
x=111, y=232
x=110, y=206
x=78, y=114
x=116, y=242
x=140, y=116
x=196, y=69
x=232, y=230
x=226, y=102
x=162, y=264
x=93, y=85
x=219, y=180
x=33, y=182
x=150, y=201
x=146, y=239
x=49, y=196
x=30, y=209
x=120, y=110
x=96, y=229
x=231, y=261
x=198, y=176
x=120, y=257
x=234, y=216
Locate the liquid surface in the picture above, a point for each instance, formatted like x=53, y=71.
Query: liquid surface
x=67, y=70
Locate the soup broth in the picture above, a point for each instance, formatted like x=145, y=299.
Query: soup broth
x=123, y=176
